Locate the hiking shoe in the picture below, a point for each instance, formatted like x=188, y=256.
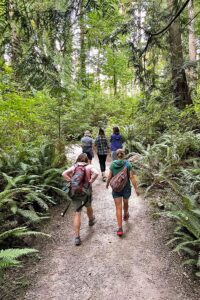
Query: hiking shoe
x=77, y=241
x=126, y=217
x=92, y=221
x=120, y=232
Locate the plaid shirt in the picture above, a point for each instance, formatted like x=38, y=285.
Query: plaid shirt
x=102, y=145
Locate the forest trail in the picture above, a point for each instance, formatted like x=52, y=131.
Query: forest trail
x=138, y=266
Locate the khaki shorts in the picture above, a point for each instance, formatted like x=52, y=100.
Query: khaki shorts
x=78, y=200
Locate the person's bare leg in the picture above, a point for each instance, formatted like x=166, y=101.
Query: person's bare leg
x=125, y=206
x=77, y=223
x=90, y=212
x=91, y=216
x=118, y=205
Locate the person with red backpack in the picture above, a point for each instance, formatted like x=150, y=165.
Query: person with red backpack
x=119, y=178
x=81, y=176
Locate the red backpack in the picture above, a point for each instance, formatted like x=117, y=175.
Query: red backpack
x=78, y=180
x=120, y=180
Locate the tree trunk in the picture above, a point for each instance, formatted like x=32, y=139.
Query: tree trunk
x=82, y=76
x=114, y=81
x=14, y=42
x=179, y=80
x=192, y=74
x=67, y=50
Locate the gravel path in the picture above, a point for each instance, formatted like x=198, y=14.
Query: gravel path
x=138, y=266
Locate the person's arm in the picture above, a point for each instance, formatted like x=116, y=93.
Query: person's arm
x=94, y=175
x=93, y=145
x=95, y=148
x=68, y=173
x=134, y=183
x=109, y=179
x=108, y=145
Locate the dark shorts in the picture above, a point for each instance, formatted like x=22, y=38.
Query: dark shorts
x=89, y=155
x=125, y=193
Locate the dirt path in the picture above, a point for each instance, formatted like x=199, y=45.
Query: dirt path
x=138, y=266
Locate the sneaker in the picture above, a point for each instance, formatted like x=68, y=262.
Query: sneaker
x=104, y=178
x=92, y=221
x=126, y=217
x=120, y=232
x=77, y=241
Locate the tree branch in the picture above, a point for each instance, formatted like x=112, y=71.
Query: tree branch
x=165, y=28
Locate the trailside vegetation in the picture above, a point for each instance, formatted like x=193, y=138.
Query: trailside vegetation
x=68, y=66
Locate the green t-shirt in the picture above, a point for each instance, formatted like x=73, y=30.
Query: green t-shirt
x=117, y=165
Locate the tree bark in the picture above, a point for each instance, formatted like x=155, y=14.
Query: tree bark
x=14, y=42
x=192, y=74
x=82, y=75
x=179, y=81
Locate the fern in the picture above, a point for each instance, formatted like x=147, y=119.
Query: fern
x=30, y=215
x=10, y=193
x=186, y=219
x=3, y=22
x=8, y=257
x=33, y=197
x=19, y=232
x=189, y=262
x=182, y=245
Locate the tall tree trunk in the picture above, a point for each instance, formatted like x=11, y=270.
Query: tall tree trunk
x=179, y=80
x=67, y=50
x=82, y=76
x=114, y=81
x=192, y=46
x=14, y=42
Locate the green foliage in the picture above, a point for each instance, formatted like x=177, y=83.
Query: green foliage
x=19, y=232
x=25, y=186
x=173, y=162
x=187, y=233
x=30, y=182
x=8, y=258
x=27, y=117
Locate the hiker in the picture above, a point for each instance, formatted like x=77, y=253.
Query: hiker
x=87, y=145
x=116, y=141
x=123, y=192
x=102, y=147
x=81, y=176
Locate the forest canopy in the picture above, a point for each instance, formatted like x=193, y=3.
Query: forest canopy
x=72, y=65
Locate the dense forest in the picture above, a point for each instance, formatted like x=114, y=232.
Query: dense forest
x=69, y=66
